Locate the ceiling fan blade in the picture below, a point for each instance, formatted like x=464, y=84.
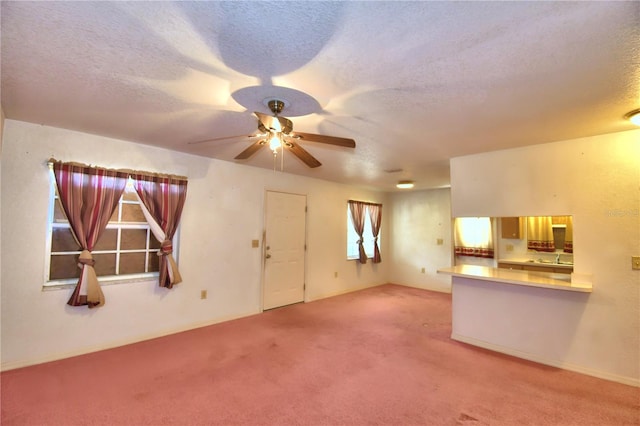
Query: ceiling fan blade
x=251, y=150
x=307, y=158
x=331, y=140
x=275, y=123
x=221, y=139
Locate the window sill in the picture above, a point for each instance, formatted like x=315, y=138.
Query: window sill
x=107, y=281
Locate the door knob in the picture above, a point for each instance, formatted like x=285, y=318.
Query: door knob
x=268, y=256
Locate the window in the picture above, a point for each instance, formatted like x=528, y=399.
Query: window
x=367, y=236
x=126, y=250
x=473, y=236
x=550, y=233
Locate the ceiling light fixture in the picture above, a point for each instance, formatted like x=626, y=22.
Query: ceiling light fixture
x=405, y=184
x=633, y=116
x=275, y=142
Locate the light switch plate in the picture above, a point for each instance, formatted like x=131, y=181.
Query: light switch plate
x=635, y=262
x=255, y=243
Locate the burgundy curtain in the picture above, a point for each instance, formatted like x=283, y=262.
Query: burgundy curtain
x=375, y=215
x=357, y=218
x=89, y=196
x=162, y=199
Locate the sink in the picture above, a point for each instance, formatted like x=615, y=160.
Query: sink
x=553, y=262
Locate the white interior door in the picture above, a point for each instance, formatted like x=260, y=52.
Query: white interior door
x=284, y=249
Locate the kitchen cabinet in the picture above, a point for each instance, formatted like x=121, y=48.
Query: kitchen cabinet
x=511, y=227
x=509, y=266
x=535, y=267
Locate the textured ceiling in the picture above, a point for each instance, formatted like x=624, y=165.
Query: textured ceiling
x=414, y=83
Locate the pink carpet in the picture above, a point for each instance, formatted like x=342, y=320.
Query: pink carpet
x=380, y=356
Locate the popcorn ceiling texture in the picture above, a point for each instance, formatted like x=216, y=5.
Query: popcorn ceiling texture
x=414, y=83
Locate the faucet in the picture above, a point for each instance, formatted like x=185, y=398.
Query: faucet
x=558, y=258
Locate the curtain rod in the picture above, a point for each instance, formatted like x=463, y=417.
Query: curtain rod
x=365, y=202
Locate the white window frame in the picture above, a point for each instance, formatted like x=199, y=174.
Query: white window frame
x=119, y=226
x=353, y=253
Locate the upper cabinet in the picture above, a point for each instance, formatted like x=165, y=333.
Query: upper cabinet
x=511, y=227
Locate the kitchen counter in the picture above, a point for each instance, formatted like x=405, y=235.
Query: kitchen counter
x=550, y=280
x=517, y=312
x=528, y=262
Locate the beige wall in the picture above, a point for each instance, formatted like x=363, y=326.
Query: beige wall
x=597, y=180
x=223, y=213
x=594, y=179
x=417, y=220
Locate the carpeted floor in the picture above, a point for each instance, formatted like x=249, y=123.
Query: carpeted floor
x=380, y=356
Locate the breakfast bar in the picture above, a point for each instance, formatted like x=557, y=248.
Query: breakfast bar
x=528, y=314
x=550, y=280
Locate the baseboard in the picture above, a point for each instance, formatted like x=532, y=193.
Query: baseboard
x=87, y=350
x=341, y=292
x=546, y=361
x=437, y=290
x=351, y=290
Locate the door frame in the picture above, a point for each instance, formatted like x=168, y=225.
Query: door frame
x=263, y=242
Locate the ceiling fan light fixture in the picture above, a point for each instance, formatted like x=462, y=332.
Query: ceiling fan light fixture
x=633, y=116
x=405, y=184
x=275, y=142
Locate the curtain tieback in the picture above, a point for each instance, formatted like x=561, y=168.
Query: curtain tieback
x=359, y=241
x=166, y=248
x=85, y=258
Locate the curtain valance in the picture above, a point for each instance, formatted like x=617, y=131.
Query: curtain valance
x=365, y=203
x=129, y=172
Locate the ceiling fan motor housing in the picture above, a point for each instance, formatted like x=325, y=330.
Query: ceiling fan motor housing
x=276, y=105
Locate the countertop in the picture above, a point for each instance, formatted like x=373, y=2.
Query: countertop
x=555, y=281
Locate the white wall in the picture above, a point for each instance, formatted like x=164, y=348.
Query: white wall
x=223, y=213
x=597, y=180
x=418, y=219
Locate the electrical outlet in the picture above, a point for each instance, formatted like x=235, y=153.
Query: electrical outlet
x=335, y=274
x=255, y=243
x=423, y=270
x=635, y=262
x=203, y=294
x=439, y=241
x=509, y=247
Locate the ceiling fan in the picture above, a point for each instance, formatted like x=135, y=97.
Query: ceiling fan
x=276, y=132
